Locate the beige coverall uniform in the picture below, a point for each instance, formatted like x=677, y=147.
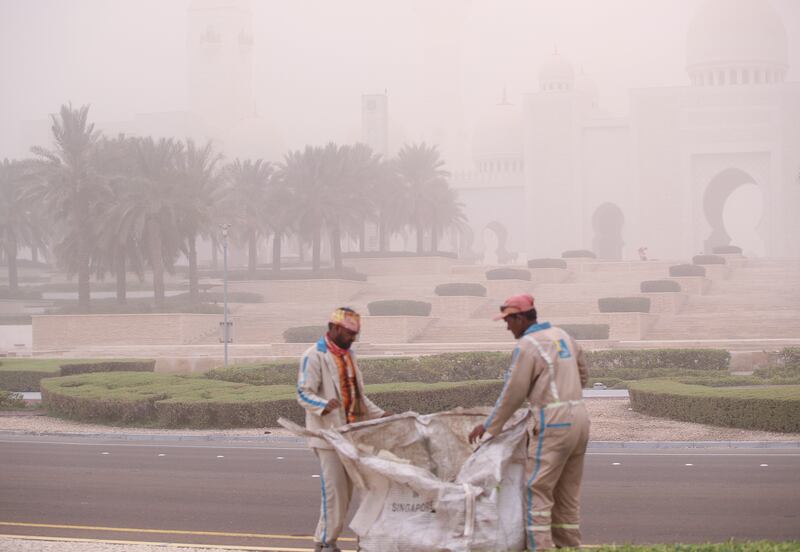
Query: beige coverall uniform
x=317, y=383
x=548, y=369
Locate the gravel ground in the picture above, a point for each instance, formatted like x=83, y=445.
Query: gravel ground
x=612, y=420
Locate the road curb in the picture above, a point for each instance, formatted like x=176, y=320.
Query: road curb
x=287, y=439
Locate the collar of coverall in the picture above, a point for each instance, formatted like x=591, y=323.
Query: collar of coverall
x=537, y=328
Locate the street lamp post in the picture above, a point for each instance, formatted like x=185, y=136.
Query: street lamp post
x=225, y=323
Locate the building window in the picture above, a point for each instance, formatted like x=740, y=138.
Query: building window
x=745, y=76
x=734, y=77
x=721, y=78
x=710, y=79
x=757, y=76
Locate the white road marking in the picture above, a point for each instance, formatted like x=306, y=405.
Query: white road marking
x=615, y=464
x=280, y=457
x=764, y=465
x=105, y=453
x=220, y=456
x=162, y=454
x=689, y=464
x=315, y=476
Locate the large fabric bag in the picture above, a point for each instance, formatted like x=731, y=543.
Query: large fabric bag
x=423, y=488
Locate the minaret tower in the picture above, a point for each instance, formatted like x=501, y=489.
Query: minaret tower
x=220, y=45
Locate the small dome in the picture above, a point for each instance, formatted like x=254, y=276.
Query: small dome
x=556, y=74
x=497, y=141
x=253, y=138
x=728, y=38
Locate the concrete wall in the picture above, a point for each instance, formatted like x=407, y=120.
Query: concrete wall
x=289, y=291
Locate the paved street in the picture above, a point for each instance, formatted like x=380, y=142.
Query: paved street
x=264, y=494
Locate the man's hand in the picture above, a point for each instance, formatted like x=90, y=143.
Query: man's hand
x=477, y=433
x=333, y=404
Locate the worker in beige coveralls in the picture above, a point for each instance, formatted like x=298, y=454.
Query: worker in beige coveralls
x=547, y=368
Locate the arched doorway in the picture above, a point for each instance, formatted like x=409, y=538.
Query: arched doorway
x=495, y=237
x=607, y=223
x=733, y=206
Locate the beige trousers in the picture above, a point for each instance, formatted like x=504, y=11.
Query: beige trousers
x=555, y=469
x=337, y=490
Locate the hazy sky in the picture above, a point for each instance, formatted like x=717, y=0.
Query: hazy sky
x=314, y=58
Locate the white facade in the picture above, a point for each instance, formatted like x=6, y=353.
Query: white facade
x=662, y=177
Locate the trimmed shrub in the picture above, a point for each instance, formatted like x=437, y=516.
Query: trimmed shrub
x=614, y=361
x=283, y=373
x=23, y=380
x=468, y=289
x=790, y=356
x=547, y=263
x=624, y=304
x=71, y=369
x=586, y=331
x=399, y=307
x=578, y=254
x=726, y=249
x=508, y=274
x=396, y=254
x=21, y=293
x=658, y=286
x=11, y=401
x=686, y=270
x=303, y=334
x=766, y=408
x=708, y=260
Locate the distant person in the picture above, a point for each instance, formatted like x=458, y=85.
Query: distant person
x=330, y=388
x=642, y=253
x=548, y=369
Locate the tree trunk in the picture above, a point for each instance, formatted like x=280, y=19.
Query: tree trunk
x=434, y=239
x=420, y=235
x=276, y=252
x=194, y=293
x=362, y=238
x=11, y=259
x=214, y=253
x=156, y=261
x=382, y=237
x=34, y=254
x=122, y=283
x=336, y=247
x=315, y=249
x=252, y=254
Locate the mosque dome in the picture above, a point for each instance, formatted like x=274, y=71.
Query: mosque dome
x=734, y=42
x=497, y=141
x=557, y=73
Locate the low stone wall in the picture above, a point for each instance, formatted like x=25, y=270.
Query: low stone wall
x=67, y=331
x=666, y=302
x=625, y=326
x=549, y=275
x=693, y=285
x=501, y=289
x=390, y=266
x=456, y=306
x=393, y=329
x=582, y=264
x=289, y=291
x=734, y=260
x=717, y=272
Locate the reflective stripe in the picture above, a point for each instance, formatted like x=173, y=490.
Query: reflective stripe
x=324, y=507
x=538, y=527
x=531, y=540
x=545, y=513
x=302, y=382
x=566, y=526
x=551, y=369
x=565, y=424
x=561, y=403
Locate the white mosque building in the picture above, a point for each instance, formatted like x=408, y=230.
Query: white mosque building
x=554, y=172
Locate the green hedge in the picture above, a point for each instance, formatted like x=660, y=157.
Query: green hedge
x=23, y=380
x=399, y=307
x=766, y=408
x=713, y=360
x=790, y=356
x=578, y=254
x=303, y=334
x=624, y=304
x=687, y=270
x=458, y=289
x=726, y=249
x=11, y=401
x=508, y=274
x=74, y=368
x=188, y=401
x=449, y=367
x=659, y=286
x=547, y=263
x=708, y=260
x=586, y=331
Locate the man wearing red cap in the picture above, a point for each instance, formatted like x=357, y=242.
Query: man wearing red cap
x=330, y=388
x=548, y=369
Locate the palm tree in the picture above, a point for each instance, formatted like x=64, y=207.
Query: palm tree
x=422, y=171
x=19, y=224
x=280, y=211
x=68, y=187
x=303, y=173
x=199, y=190
x=149, y=209
x=247, y=192
x=445, y=212
x=391, y=202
